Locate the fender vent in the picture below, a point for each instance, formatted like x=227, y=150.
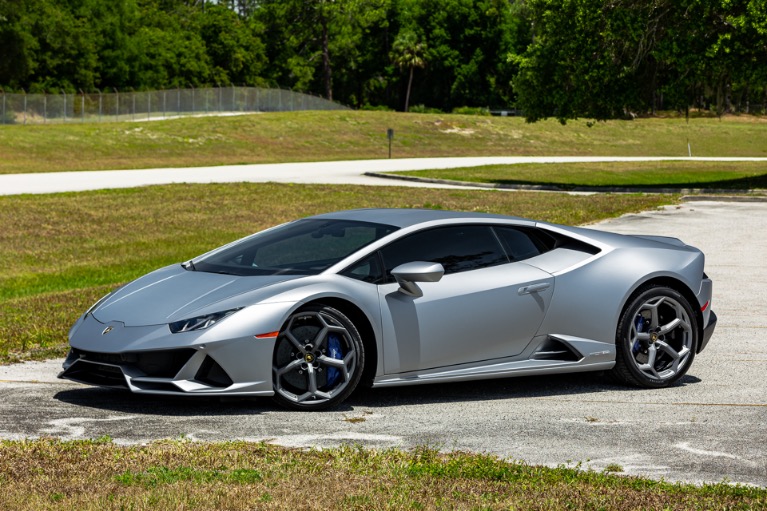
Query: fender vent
x=554, y=349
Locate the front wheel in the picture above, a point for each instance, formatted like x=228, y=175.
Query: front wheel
x=656, y=338
x=318, y=359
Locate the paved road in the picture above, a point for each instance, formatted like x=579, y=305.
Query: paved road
x=340, y=172
x=712, y=426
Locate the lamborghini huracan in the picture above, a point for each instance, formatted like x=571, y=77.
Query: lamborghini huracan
x=309, y=310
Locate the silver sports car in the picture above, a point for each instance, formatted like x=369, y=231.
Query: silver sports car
x=308, y=310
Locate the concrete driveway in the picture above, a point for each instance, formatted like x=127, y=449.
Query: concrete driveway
x=710, y=427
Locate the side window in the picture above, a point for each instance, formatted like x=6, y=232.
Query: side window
x=459, y=248
x=367, y=270
x=518, y=243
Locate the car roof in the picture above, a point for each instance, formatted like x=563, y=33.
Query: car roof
x=406, y=217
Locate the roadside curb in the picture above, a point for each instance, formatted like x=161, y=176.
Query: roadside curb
x=693, y=194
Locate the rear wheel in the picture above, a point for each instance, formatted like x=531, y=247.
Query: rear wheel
x=656, y=338
x=318, y=359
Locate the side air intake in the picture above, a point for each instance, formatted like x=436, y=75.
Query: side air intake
x=554, y=349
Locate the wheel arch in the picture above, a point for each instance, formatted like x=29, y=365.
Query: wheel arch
x=680, y=287
x=365, y=329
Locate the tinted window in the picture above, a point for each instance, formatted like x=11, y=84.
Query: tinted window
x=459, y=248
x=518, y=243
x=305, y=247
x=367, y=270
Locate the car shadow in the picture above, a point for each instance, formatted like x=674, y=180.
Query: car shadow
x=575, y=384
x=117, y=400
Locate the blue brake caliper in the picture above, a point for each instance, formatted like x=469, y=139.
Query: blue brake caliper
x=639, y=324
x=334, y=351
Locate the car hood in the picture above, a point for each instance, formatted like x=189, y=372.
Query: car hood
x=174, y=293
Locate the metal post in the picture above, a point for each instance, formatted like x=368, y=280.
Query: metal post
x=82, y=105
x=163, y=103
x=101, y=103
x=193, y=109
x=133, y=106
x=148, y=104
x=220, y=99
x=3, y=107
x=117, y=105
x=45, y=107
x=65, y=106
x=178, y=102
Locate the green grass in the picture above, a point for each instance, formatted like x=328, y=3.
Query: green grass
x=61, y=252
x=568, y=176
x=169, y=475
x=313, y=136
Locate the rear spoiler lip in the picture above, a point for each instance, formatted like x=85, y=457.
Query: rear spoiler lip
x=668, y=240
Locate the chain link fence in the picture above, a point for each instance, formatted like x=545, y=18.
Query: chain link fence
x=165, y=104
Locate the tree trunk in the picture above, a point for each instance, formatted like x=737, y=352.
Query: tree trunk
x=327, y=77
x=409, y=84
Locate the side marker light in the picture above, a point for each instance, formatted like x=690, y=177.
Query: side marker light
x=270, y=335
x=705, y=306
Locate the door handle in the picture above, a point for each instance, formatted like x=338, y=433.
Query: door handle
x=533, y=288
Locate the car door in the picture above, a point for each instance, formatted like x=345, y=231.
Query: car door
x=485, y=306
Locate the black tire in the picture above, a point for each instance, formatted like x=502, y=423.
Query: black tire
x=656, y=338
x=318, y=359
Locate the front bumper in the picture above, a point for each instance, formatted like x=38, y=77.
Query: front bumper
x=151, y=360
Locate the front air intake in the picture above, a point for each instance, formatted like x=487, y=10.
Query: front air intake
x=211, y=373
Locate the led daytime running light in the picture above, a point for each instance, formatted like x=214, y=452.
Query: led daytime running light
x=200, y=322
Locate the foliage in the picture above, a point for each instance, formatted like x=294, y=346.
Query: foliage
x=604, y=60
x=601, y=59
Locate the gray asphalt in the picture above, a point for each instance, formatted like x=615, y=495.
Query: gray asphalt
x=709, y=428
x=337, y=172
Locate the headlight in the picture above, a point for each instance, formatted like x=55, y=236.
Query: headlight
x=200, y=322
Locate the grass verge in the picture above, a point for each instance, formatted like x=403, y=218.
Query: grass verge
x=96, y=475
x=61, y=252
x=567, y=176
x=313, y=136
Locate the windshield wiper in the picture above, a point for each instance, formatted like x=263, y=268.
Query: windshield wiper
x=189, y=265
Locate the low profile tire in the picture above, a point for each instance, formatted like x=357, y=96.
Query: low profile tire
x=656, y=338
x=318, y=359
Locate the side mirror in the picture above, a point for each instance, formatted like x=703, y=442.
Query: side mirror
x=418, y=271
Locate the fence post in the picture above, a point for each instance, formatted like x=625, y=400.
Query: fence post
x=148, y=104
x=101, y=104
x=163, y=103
x=178, y=102
x=117, y=105
x=45, y=107
x=82, y=106
x=133, y=105
x=65, y=105
x=220, y=99
x=194, y=111
x=1, y=90
x=25, y=106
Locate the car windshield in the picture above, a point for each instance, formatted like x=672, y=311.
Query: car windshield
x=304, y=247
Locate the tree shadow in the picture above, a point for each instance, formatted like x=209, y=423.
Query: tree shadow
x=744, y=183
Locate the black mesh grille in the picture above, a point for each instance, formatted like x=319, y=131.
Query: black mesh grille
x=157, y=364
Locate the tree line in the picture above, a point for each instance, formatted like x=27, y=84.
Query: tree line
x=599, y=59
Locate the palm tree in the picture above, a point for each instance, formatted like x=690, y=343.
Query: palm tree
x=407, y=52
